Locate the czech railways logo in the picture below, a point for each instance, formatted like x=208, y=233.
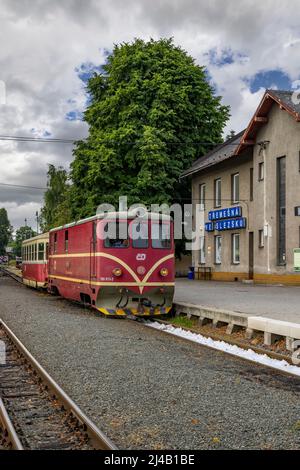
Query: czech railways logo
x=141, y=256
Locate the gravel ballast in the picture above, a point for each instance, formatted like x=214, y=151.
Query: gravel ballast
x=148, y=390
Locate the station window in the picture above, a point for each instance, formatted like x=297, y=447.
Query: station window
x=66, y=240
x=202, y=250
x=41, y=251
x=116, y=235
x=235, y=188
x=202, y=189
x=261, y=238
x=217, y=191
x=261, y=171
x=235, y=246
x=161, y=235
x=139, y=234
x=251, y=184
x=218, y=249
x=55, y=242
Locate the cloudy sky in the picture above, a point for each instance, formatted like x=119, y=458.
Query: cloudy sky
x=47, y=48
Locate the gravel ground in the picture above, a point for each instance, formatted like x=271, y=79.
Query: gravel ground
x=148, y=390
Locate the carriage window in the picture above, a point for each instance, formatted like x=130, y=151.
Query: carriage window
x=41, y=252
x=161, y=235
x=47, y=250
x=116, y=235
x=55, y=242
x=35, y=252
x=66, y=240
x=139, y=233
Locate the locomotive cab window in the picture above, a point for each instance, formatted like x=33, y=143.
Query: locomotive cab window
x=161, y=235
x=116, y=235
x=139, y=234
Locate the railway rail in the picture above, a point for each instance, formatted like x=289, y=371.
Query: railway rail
x=35, y=413
x=12, y=275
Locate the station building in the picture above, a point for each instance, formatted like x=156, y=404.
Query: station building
x=249, y=191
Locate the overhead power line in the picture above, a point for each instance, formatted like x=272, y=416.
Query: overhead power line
x=12, y=138
x=23, y=186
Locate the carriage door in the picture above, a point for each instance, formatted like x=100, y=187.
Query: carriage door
x=93, y=251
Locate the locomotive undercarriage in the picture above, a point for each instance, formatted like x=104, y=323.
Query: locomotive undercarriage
x=122, y=301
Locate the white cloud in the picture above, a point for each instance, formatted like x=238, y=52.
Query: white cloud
x=42, y=42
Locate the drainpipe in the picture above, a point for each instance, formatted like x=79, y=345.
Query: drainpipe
x=267, y=227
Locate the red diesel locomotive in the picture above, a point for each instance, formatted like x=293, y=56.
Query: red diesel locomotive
x=118, y=263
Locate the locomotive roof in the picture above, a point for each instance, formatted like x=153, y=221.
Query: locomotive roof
x=42, y=236
x=116, y=215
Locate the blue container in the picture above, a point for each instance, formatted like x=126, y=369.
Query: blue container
x=191, y=275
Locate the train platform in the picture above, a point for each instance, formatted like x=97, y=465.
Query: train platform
x=272, y=309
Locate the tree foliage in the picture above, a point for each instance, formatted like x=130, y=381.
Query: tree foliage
x=230, y=135
x=5, y=231
x=22, y=233
x=151, y=110
x=56, y=209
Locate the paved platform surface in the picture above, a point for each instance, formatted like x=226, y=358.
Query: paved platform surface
x=277, y=302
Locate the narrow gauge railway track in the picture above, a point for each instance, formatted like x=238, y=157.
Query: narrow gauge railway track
x=12, y=275
x=35, y=413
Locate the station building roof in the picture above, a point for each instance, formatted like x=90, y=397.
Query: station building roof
x=286, y=100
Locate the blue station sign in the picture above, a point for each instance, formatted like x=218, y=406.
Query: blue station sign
x=226, y=219
x=231, y=224
x=229, y=213
x=209, y=227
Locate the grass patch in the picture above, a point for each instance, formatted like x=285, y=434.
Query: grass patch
x=184, y=321
x=296, y=426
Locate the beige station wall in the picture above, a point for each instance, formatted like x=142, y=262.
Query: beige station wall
x=226, y=270
x=283, y=132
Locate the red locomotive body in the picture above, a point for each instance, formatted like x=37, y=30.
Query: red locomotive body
x=35, y=262
x=118, y=263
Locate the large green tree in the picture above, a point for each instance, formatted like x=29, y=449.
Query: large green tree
x=5, y=231
x=56, y=209
x=22, y=233
x=152, y=111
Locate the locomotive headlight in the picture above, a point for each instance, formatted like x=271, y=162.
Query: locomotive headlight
x=117, y=272
x=164, y=272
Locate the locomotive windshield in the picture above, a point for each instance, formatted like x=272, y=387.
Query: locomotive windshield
x=136, y=233
x=139, y=233
x=116, y=235
x=161, y=235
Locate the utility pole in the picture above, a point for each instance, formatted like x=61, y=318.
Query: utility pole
x=37, y=222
